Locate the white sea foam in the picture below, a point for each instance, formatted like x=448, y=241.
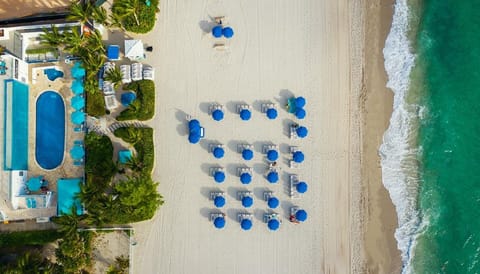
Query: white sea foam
x=398, y=158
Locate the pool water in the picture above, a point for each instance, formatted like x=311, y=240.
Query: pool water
x=50, y=130
x=68, y=190
x=53, y=74
x=15, y=125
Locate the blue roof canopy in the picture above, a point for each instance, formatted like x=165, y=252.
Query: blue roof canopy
x=273, y=202
x=77, y=117
x=34, y=183
x=245, y=178
x=247, y=154
x=218, y=152
x=77, y=152
x=300, y=102
x=219, y=176
x=124, y=156
x=227, y=32
x=272, y=155
x=245, y=114
x=272, y=113
x=246, y=224
x=78, y=102
x=300, y=113
x=298, y=157
x=247, y=201
x=217, y=115
x=302, y=132
x=127, y=98
x=219, y=222
x=113, y=52
x=273, y=224
x=217, y=31
x=219, y=201
x=302, y=187
x=272, y=177
x=301, y=215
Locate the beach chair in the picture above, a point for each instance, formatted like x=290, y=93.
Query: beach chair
x=267, y=106
x=148, y=72
x=215, y=169
x=215, y=215
x=270, y=216
x=202, y=132
x=267, y=195
x=137, y=69
x=243, y=194
x=293, y=131
x=108, y=88
x=241, y=170
x=293, y=182
x=211, y=147
x=79, y=128
x=241, y=107
x=219, y=19
x=241, y=147
x=293, y=149
x=126, y=74
x=244, y=216
x=110, y=102
x=214, y=194
x=215, y=106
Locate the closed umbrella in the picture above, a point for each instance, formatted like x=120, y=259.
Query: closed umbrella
x=245, y=114
x=301, y=215
x=300, y=102
x=219, y=176
x=247, y=154
x=246, y=224
x=273, y=202
x=273, y=224
x=219, y=201
x=298, y=157
x=272, y=113
x=302, y=187
x=218, y=152
x=272, y=177
x=217, y=31
x=302, y=132
x=272, y=155
x=247, y=201
x=245, y=178
x=300, y=113
x=227, y=32
x=219, y=222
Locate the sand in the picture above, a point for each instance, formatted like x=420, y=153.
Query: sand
x=280, y=48
x=381, y=220
x=10, y=9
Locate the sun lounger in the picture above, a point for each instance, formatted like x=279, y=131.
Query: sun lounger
x=270, y=216
x=137, y=69
x=293, y=131
x=79, y=128
x=242, y=194
x=214, y=194
x=267, y=195
x=215, y=169
x=241, y=147
x=267, y=106
x=211, y=147
x=107, y=67
x=244, y=216
x=108, y=88
x=214, y=107
x=148, y=73
x=213, y=216
x=266, y=148
x=219, y=19
x=78, y=142
x=241, y=107
x=293, y=182
x=293, y=164
x=294, y=149
x=111, y=102
x=126, y=74
x=242, y=170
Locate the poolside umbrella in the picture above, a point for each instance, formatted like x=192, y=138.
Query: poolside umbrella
x=272, y=113
x=273, y=224
x=298, y=157
x=301, y=215
x=302, y=187
x=219, y=222
x=217, y=115
x=218, y=152
x=272, y=177
x=272, y=155
x=302, y=132
x=219, y=201
x=247, y=154
x=245, y=178
x=219, y=176
x=194, y=137
x=77, y=152
x=300, y=113
x=77, y=117
x=34, y=183
x=245, y=114
x=273, y=202
x=127, y=98
x=77, y=87
x=217, y=31
x=77, y=71
x=194, y=124
x=246, y=224
x=300, y=102
x=78, y=102
x=247, y=201
x=227, y=32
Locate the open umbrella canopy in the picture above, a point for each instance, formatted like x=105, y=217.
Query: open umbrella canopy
x=298, y=157
x=124, y=156
x=247, y=154
x=273, y=224
x=77, y=117
x=194, y=137
x=219, y=176
x=273, y=202
x=302, y=132
x=127, y=98
x=272, y=177
x=227, y=32
x=272, y=155
x=247, y=201
x=219, y=222
x=301, y=215
x=245, y=178
x=217, y=31
x=272, y=113
x=194, y=124
x=217, y=115
x=302, y=187
x=219, y=201
x=77, y=71
x=246, y=224
x=77, y=87
x=300, y=113
x=245, y=114
x=77, y=152
x=218, y=152
x=78, y=102
x=34, y=183
x=300, y=102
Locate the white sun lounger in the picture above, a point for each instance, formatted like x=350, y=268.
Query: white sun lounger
x=293, y=182
x=215, y=194
x=211, y=147
x=244, y=216
x=108, y=88
x=293, y=131
x=111, y=102
x=241, y=147
x=270, y=216
x=241, y=107
x=242, y=194
x=220, y=46
x=266, y=148
x=242, y=170
x=148, y=73
x=213, y=216
x=126, y=75
x=137, y=71
x=267, y=106
x=215, y=169
x=214, y=107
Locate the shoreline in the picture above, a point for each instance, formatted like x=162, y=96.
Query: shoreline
x=380, y=245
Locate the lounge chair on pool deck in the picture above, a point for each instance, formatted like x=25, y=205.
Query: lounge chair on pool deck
x=79, y=128
x=220, y=46
x=126, y=75
x=293, y=182
x=78, y=162
x=267, y=195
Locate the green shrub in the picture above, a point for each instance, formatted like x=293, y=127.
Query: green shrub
x=95, y=104
x=28, y=238
x=145, y=15
x=142, y=141
x=98, y=157
x=143, y=108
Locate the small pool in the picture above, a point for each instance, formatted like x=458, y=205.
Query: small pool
x=67, y=192
x=53, y=74
x=50, y=130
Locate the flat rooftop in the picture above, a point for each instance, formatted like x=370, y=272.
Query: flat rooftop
x=13, y=9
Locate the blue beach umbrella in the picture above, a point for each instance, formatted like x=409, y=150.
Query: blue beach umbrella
x=77, y=117
x=77, y=71
x=219, y=176
x=273, y=202
x=245, y=178
x=301, y=215
x=247, y=201
x=273, y=224
x=300, y=102
x=219, y=222
x=194, y=137
x=300, y=113
x=272, y=113
x=245, y=114
x=247, y=154
x=302, y=132
x=302, y=187
x=218, y=152
x=194, y=124
x=227, y=32
x=246, y=224
x=77, y=87
x=217, y=115
x=219, y=201
x=272, y=155
x=34, y=183
x=217, y=31
x=298, y=157
x=127, y=98
x=272, y=177
x=78, y=102
x=77, y=152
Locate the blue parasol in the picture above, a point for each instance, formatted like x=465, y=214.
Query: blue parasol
x=273, y=202
x=77, y=87
x=34, y=183
x=217, y=115
x=273, y=224
x=219, y=176
x=272, y=177
x=77, y=152
x=194, y=137
x=127, y=98
x=298, y=157
x=247, y=154
x=78, y=102
x=272, y=155
x=218, y=152
x=272, y=113
x=301, y=215
x=217, y=31
x=245, y=114
x=219, y=222
x=245, y=178
x=219, y=201
x=302, y=187
x=247, y=201
x=300, y=113
x=194, y=124
x=124, y=156
x=300, y=102
x=227, y=32
x=302, y=132
x=246, y=224
x=77, y=117
x=77, y=71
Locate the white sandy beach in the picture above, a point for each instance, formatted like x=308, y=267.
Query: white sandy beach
x=280, y=48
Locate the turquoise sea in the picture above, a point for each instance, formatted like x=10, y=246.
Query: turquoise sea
x=431, y=151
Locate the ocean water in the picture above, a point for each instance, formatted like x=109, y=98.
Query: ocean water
x=430, y=152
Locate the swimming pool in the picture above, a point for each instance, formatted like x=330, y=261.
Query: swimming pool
x=67, y=191
x=15, y=125
x=53, y=74
x=50, y=130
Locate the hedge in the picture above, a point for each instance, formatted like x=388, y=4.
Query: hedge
x=95, y=104
x=143, y=108
x=28, y=238
x=98, y=160
x=144, y=146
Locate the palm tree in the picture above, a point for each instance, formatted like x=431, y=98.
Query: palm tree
x=69, y=223
x=82, y=13
x=134, y=164
x=115, y=76
x=99, y=14
x=52, y=37
x=29, y=262
x=73, y=41
x=115, y=21
x=126, y=8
